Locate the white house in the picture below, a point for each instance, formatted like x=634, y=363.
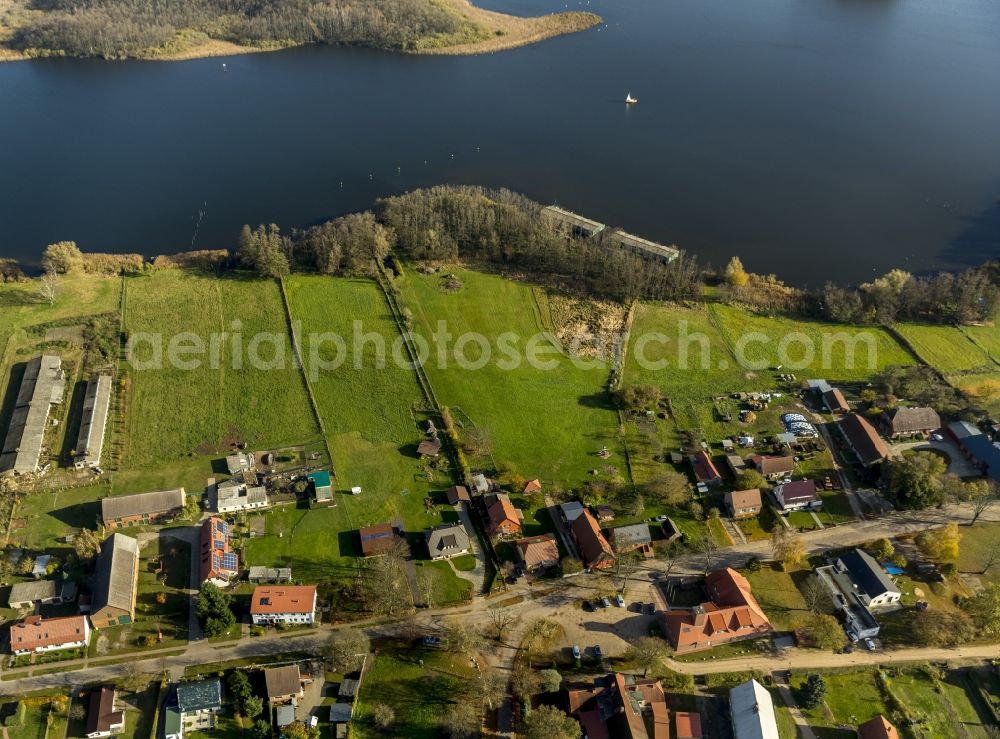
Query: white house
x=797, y=496
x=195, y=709
x=289, y=604
x=234, y=495
x=752, y=712
x=859, y=588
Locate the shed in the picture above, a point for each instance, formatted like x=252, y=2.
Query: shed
x=284, y=715
x=322, y=488
x=341, y=713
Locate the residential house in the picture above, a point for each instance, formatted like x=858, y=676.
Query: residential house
x=800, y=495
x=863, y=439
x=219, y=562
x=878, y=727
x=504, y=519
x=322, y=489
x=977, y=447
x=537, y=552
x=43, y=385
x=619, y=706
x=283, y=684
x=730, y=614
x=834, y=401
x=90, y=440
x=773, y=467
x=634, y=537
x=687, y=725
x=457, y=494
x=102, y=718
x=909, y=422
x=288, y=604
x=24, y=595
x=531, y=487
x=860, y=588
x=241, y=462
x=123, y=511
x=595, y=550
x=234, y=495
x=447, y=540
x=36, y=634
x=197, y=704
x=115, y=582
x=705, y=470
x=377, y=540
x=260, y=574
x=744, y=503
x=752, y=712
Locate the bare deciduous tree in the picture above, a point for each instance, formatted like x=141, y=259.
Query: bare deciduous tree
x=48, y=287
x=502, y=619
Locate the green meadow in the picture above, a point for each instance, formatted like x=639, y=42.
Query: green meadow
x=176, y=410
x=946, y=348
x=547, y=421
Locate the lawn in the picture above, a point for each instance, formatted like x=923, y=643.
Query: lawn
x=941, y=704
x=974, y=549
x=464, y=562
x=447, y=588
x=43, y=519
x=778, y=595
x=243, y=385
x=983, y=389
x=986, y=338
x=41, y=718
x=946, y=348
x=371, y=408
x=809, y=348
x=852, y=698
x=419, y=695
x=546, y=419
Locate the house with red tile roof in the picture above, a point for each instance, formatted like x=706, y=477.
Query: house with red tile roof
x=37, y=634
x=731, y=613
x=595, y=550
x=219, y=563
x=863, y=439
x=290, y=604
x=533, y=486
x=687, y=725
x=877, y=728
x=704, y=469
x=620, y=706
x=505, y=519
x=538, y=552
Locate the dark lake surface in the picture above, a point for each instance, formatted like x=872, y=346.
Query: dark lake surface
x=818, y=139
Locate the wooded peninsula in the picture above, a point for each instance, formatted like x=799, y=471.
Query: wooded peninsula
x=184, y=29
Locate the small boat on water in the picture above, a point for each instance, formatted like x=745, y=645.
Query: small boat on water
x=629, y=100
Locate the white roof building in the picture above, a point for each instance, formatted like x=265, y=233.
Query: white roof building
x=752, y=712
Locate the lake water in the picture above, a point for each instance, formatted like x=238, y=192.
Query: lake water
x=818, y=139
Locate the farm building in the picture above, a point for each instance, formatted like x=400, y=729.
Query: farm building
x=644, y=247
x=834, y=401
x=260, y=574
x=634, y=537
x=909, y=421
x=90, y=442
x=732, y=613
x=620, y=705
x=123, y=511
x=744, y=503
x=457, y=494
x=321, y=486
x=571, y=223
x=25, y=595
x=595, y=550
x=863, y=439
x=977, y=447
x=290, y=604
x=115, y=582
x=773, y=467
x=504, y=518
x=36, y=634
x=605, y=513
x=537, y=552
x=241, y=462
x=735, y=463
x=235, y=495
x=377, y=539
x=429, y=448
x=797, y=496
x=42, y=386
x=102, y=718
x=480, y=483
x=532, y=486
x=705, y=470
x=447, y=540
x=751, y=711
x=219, y=563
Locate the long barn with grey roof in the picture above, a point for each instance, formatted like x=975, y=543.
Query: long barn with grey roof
x=122, y=511
x=115, y=582
x=90, y=442
x=42, y=386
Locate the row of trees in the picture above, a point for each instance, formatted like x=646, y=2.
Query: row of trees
x=138, y=28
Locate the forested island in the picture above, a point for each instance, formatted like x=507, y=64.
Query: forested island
x=180, y=29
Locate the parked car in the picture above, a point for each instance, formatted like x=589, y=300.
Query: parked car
x=598, y=652
x=576, y=652
x=937, y=437
x=869, y=645
x=660, y=519
x=619, y=601
x=434, y=642
x=651, y=608
x=605, y=603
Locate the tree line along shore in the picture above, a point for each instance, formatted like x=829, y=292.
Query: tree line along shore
x=140, y=29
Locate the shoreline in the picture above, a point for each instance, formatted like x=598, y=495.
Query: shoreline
x=508, y=32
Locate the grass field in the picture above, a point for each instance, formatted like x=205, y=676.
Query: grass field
x=42, y=519
x=986, y=338
x=778, y=595
x=940, y=707
x=41, y=719
x=852, y=698
x=812, y=348
x=545, y=423
x=446, y=586
x=419, y=695
x=946, y=348
x=983, y=388
x=174, y=412
x=974, y=548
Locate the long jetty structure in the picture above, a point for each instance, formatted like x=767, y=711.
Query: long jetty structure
x=587, y=228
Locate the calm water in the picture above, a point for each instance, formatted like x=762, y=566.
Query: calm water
x=820, y=139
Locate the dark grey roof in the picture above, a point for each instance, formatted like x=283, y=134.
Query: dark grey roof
x=913, y=420
x=42, y=385
x=115, y=579
x=199, y=696
x=633, y=535
x=348, y=688
x=281, y=681
x=33, y=590
x=90, y=442
x=340, y=713
x=124, y=506
x=867, y=573
x=447, y=538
